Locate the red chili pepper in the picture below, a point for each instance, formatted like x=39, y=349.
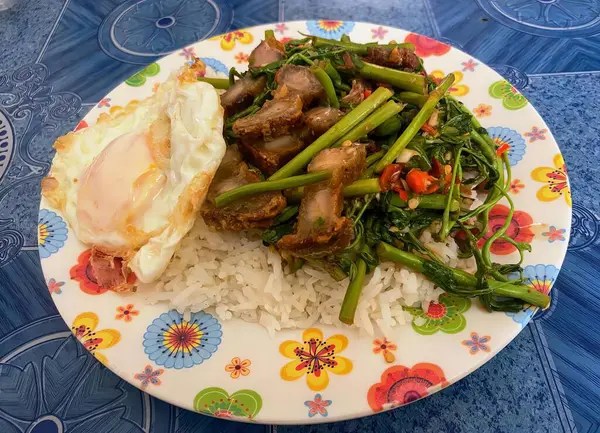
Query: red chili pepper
x=503, y=148
x=420, y=182
x=429, y=130
x=390, y=176
x=436, y=168
x=402, y=193
x=367, y=93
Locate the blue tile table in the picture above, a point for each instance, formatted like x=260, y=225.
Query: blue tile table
x=59, y=57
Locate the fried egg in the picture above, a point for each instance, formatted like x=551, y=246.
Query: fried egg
x=130, y=186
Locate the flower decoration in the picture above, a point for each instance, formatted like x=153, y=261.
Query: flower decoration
x=519, y=229
x=105, y=102
x=540, y=278
x=456, y=89
x=425, y=47
x=506, y=136
x=238, y=367
x=188, y=53
x=84, y=328
x=555, y=179
x=229, y=40
x=553, y=234
x=477, y=343
x=280, y=28
x=81, y=125
x=379, y=32
x=386, y=348
x=402, y=385
x=516, y=186
x=315, y=357
x=149, y=376
x=511, y=97
x=536, y=134
x=469, y=65
x=217, y=402
x=482, y=110
x=139, y=78
x=177, y=343
x=52, y=233
x=241, y=58
x=329, y=28
x=214, y=64
x=446, y=315
x=55, y=286
x=126, y=313
x=317, y=406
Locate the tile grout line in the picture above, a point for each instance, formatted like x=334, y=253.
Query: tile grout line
x=45, y=47
x=436, y=30
x=281, y=10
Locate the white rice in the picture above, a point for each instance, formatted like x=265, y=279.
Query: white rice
x=236, y=276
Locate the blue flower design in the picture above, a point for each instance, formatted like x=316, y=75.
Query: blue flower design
x=215, y=64
x=511, y=137
x=177, y=343
x=329, y=28
x=317, y=406
x=52, y=233
x=541, y=278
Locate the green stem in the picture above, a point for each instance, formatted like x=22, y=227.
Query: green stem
x=500, y=288
x=345, y=124
x=413, y=98
x=429, y=201
x=270, y=185
x=446, y=224
x=354, y=47
x=269, y=34
x=327, y=84
x=331, y=71
x=376, y=118
x=389, y=127
x=218, y=83
x=374, y=157
x=348, y=310
x=403, y=80
x=416, y=124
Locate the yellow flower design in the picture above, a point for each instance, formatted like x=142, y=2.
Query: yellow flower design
x=84, y=328
x=228, y=40
x=556, y=181
x=456, y=89
x=316, y=357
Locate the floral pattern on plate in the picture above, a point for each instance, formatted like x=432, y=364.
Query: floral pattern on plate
x=446, y=315
x=555, y=179
x=52, y=233
x=217, y=402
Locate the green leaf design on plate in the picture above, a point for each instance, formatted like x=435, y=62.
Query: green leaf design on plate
x=446, y=315
x=511, y=98
x=139, y=78
x=216, y=401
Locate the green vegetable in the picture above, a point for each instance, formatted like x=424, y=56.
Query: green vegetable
x=350, y=302
x=413, y=98
x=373, y=158
x=345, y=124
x=269, y=34
x=327, y=84
x=376, y=118
x=390, y=126
x=353, y=47
x=267, y=186
x=217, y=83
x=415, y=125
x=403, y=80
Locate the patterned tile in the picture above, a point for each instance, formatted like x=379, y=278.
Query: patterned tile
x=532, y=35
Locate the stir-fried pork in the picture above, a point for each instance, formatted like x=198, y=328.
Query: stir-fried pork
x=270, y=155
x=242, y=93
x=301, y=81
x=254, y=212
x=357, y=93
x=321, y=230
x=320, y=119
x=268, y=51
x=276, y=117
x=398, y=58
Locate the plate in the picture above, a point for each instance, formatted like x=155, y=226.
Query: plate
x=248, y=375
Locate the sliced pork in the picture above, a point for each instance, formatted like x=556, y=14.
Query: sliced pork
x=397, y=58
x=276, y=117
x=270, y=155
x=301, y=81
x=242, y=94
x=268, y=51
x=321, y=230
x=357, y=93
x=320, y=119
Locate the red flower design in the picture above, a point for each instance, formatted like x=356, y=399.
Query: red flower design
x=519, y=229
x=401, y=385
x=81, y=125
x=84, y=274
x=436, y=311
x=425, y=46
x=126, y=313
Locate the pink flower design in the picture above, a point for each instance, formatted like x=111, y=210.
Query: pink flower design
x=554, y=234
x=280, y=28
x=317, y=406
x=104, y=103
x=516, y=186
x=379, y=32
x=55, y=286
x=241, y=58
x=536, y=134
x=477, y=343
x=149, y=376
x=188, y=53
x=469, y=65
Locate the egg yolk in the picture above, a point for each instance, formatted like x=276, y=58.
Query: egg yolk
x=119, y=185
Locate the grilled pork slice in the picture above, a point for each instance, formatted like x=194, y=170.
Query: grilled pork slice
x=321, y=230
x=268, y=51
x=357, y=93
x=276, y=117
x=242, y=94
x=397, y=58
x=270, y=155
x=320, y=119
x=257, y=211
x=301, y=81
